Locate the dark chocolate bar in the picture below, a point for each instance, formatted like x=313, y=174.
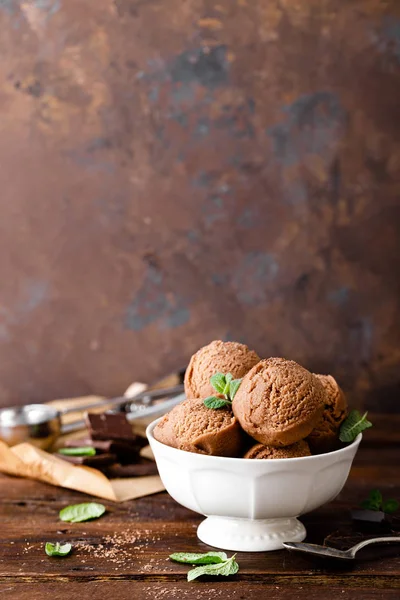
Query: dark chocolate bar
x=109, y=426
x=98, y=462
x=126, y=452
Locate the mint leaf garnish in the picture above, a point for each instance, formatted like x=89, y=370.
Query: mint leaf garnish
x=375, y=498
x=225, y=385
x=191, y=558
x=368, y=505
x=390, y=506
x=83, y=451
x=228, y=379
x=76, y=513
x=233, y=387
x=353, y=425
x=218, y=381
x=57, y=549
x=215, y=403
x=376, y=502
x=228, y=567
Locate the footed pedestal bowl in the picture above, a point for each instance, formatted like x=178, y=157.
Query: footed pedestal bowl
x=251, y=505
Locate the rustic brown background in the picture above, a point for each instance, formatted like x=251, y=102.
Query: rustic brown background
x=175, y=171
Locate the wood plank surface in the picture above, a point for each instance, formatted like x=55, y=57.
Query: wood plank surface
x=125, y=553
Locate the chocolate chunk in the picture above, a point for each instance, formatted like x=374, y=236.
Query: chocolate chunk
x=99, y=445
x=98, y=462
x=126, y=452
x=109, y=426
x=369, y=516
x=139, y=470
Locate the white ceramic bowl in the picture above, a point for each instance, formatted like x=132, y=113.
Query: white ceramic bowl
x=251, y=505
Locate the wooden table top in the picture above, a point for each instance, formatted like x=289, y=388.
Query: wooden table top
x=124, y=554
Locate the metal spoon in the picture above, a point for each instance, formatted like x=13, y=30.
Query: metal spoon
x=41, y=425
x=326, y=552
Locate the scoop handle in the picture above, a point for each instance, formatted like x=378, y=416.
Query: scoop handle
x=106, y=402
x=143, y=399
x=378, y=540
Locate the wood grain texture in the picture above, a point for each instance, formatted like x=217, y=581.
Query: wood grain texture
x=125, y=553
x=173, y=172
x=174, y=591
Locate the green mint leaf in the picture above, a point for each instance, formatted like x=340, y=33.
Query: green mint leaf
x=83, y=451
x=374, y=500
x=228, y=379
x=76, y=513
x=226, y=391
x=390, y=506
x=228, y=567
x=218, y=381
x=375, y=497
x=209, y=558
x=353, y=425
x=57, y=549
x=215, y=403
x=233, y=387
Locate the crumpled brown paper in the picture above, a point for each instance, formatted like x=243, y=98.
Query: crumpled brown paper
x=25, y=460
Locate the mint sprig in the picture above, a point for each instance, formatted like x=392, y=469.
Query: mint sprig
x=212, y=563
x=228, y=567
x=224, y=385
x=375, y=502
x=353, y=425
x=57, y=549
x=192, y=558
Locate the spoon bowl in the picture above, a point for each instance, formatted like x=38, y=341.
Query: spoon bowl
x=37, y=423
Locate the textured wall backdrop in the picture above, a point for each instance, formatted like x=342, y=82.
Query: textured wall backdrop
x=174, y=171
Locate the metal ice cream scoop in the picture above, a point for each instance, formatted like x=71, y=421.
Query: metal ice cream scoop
x=326, y=552
x=41, y=425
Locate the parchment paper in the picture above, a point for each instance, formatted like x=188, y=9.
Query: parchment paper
x=25, y=460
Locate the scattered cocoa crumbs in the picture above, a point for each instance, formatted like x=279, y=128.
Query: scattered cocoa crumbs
x=157, y=592
x=122, y=549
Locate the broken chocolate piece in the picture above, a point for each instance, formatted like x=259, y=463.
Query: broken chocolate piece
x=126, y=452
x=139, y=470
x=98, y=462
x=109, y=426
x=99, y=445
x=369, y=516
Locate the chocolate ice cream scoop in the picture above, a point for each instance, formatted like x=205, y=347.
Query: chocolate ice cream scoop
x=278, y=402
x=217, y=357
x=193, y=427
x=266, y=452
x=324, y=436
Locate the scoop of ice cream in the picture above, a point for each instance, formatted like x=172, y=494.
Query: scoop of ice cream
x=278, y=402
x=324, y=436
x=217, y=357
x=260, y=451
x=193, y=427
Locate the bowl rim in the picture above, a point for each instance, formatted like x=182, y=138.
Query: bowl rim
x=232, y=460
